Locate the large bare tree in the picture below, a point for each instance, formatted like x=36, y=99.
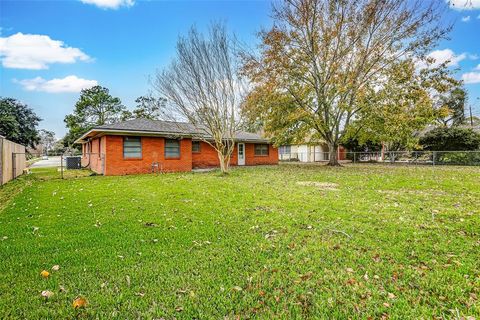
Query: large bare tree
x=320, y=55
x=202, y=86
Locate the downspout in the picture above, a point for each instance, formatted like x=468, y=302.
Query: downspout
x=89, y=155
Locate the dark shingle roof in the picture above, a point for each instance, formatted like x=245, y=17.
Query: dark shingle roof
x=170, y=127
x=151, y=126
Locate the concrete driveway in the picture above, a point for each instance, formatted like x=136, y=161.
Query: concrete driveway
x=51, y=162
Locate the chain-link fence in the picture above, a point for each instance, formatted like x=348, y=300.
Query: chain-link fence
x=60, y=166
x=464, y=158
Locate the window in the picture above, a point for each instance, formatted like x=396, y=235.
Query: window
x=285, y=149
x=172, y=148
x=132, y=147
x=261, y=149
x=195, y=146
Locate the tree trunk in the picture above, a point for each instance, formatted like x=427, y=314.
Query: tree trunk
x=223, y=163
x=333, y=155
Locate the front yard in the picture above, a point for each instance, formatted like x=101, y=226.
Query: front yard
x=267, y=242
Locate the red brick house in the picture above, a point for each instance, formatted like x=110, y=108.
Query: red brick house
x=144, y=146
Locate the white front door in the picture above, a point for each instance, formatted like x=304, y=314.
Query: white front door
x=241, y=154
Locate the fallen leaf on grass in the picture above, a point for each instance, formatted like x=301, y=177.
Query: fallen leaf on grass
x=237, y=288
x=79, y=303
x=349, y=270
x=306, y=276
x=56, y=267
x=150, y=224
x=179, y=309
x=45, y=274
x=386, y=304
x=394, y=277
x=391, y=295
x=140, y=294
x=47, y=294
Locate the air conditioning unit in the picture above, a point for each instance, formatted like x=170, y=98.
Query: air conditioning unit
x=73, y=162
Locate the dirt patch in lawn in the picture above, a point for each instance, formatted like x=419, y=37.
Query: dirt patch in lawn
x=425, y=192
x=321, y=185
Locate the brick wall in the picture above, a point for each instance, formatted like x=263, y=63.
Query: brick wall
x=93, y=153
x=208, y=158
x=341, y=153
x=251, y=159
x=152, y=151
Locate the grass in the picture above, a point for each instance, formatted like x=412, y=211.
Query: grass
x=268, y=242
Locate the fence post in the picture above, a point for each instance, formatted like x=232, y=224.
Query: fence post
x=14, y=166
x=61, y=165
x=434, y=156
x=354, y=157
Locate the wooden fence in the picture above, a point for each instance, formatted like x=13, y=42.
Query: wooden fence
x=12, y=160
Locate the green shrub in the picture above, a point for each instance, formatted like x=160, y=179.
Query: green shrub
x=451, y=139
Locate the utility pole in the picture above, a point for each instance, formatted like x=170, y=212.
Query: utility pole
x=471, y=117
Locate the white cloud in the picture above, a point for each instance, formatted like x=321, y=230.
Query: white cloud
x=471, y=77
x=33, y=51
x=464, y=4
x=477, y=68
x=110, y=4
x=466, y=18
x=444, y=55
x=67, y=84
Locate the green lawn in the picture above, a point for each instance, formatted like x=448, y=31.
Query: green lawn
x=268, y=242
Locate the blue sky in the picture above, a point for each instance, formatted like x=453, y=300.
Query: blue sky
x=120, y=43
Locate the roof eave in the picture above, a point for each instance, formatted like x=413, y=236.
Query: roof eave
x=100, y=132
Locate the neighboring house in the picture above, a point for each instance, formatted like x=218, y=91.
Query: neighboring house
x=143, y=146
x=308, y=153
